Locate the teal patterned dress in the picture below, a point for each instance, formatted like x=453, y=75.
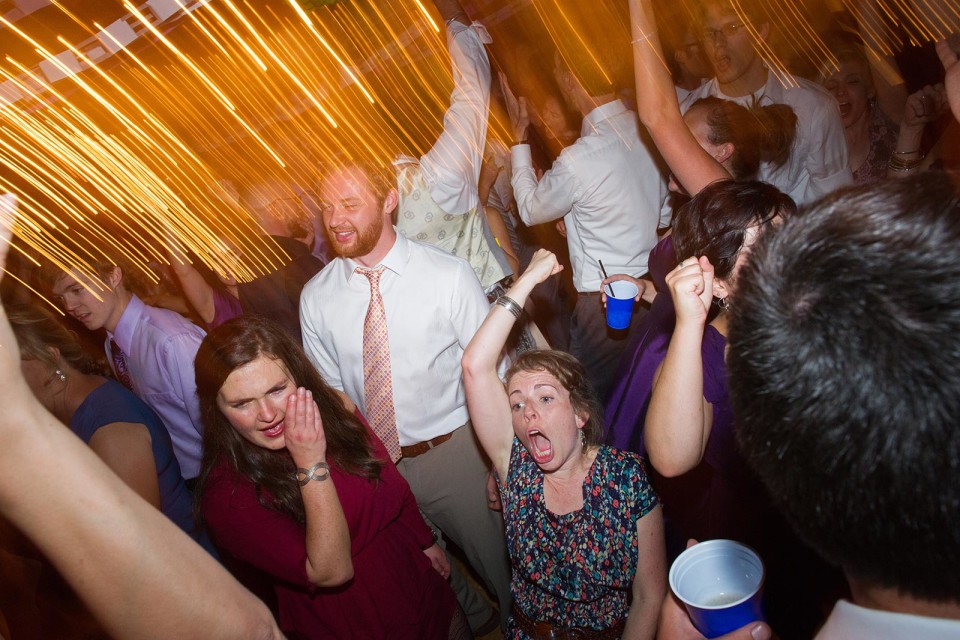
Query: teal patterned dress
x=576, y=569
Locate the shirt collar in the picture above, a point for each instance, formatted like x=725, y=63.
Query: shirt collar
x=601, y=113
x=395, y=260
x=129, y=319
x=848, y=620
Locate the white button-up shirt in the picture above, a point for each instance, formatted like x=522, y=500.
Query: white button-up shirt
x=848, y=621
x=434, y=305
x=606, y=187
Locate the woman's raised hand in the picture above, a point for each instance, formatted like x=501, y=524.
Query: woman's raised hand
x=691, y=285
x=925, y=106
x=303, y=429
x=542, y=265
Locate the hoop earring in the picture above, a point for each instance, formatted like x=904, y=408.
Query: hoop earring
x=723, y=304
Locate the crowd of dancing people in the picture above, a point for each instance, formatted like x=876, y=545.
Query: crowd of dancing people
x=420, y=425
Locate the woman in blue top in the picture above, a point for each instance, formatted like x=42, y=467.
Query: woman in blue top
x=123, y=431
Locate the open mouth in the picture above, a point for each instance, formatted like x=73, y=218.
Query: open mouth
x=540, y=447
x=274, y=431
x=343, y=237
x=844, y=109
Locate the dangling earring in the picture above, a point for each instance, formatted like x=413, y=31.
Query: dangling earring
x=723, y=304
x=583, y=440
x=60, y=374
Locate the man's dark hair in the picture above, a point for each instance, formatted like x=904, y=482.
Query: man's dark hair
x=751, y=10
x=592, y=42
x=845, y=378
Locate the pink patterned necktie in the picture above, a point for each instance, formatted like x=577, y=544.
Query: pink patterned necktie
x=377, y=377
x=120, y=365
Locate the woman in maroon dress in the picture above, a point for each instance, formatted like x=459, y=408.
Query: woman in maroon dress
x=295, y=484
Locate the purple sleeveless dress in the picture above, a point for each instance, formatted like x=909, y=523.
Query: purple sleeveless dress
x=627, y=407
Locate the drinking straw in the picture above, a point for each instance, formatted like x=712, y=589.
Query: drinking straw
x=605, y=276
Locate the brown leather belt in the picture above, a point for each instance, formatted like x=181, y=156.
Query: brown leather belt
x=546, y=631
x=420, y=448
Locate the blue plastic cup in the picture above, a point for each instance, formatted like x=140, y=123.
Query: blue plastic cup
x=720, y=582
x=621, y=296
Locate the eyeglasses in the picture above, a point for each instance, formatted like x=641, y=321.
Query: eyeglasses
x=727, y=31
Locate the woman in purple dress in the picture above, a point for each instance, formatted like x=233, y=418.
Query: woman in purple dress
x=294, y=484
x=716, y=496
x=742, y=139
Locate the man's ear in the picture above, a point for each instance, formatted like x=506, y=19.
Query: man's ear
x=114, y=277
x=390, y=201
x=763, y=31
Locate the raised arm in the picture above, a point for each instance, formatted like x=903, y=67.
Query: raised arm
x=950, y=60
x=125, y=447
x=197, y=291
x=486, y=397
x=141, y=576
x=329, y=561
x=659, y=111
x=679, y=418
x=452, y=166
x=922, y=107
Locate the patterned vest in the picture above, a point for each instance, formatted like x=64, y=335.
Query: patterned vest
x=465, y=235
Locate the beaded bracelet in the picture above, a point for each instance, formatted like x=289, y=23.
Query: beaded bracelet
x=306, y=475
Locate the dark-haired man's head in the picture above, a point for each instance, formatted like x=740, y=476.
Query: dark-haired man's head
x=279, y=210
x=729, y=35
x=590, y=57
x=845, y=376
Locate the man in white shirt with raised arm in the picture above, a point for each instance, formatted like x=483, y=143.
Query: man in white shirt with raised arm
x=606, y=188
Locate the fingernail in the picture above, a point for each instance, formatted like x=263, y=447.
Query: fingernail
x=760, y=632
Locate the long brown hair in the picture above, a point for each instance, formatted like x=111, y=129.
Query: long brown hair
x=36, y=330
x=235, y=344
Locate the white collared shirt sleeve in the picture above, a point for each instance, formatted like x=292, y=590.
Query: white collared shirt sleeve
x=470, y=306
x=549, y=199
x=452, y=166
x=176, y=360
x=316, y=349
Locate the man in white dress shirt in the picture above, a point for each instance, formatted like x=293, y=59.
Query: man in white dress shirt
x=607, y=188
x=433, y=303
x=818, y=162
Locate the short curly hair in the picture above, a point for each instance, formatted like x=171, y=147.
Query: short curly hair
x=573, y=377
